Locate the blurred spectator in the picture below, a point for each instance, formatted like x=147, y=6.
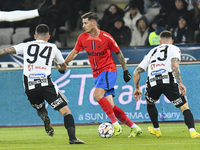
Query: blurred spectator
x=153, y=24
x=132, y=16
x=139, y=3
x=181, y=10
x=167, y=6
x=183, y=33
x=196, y=19
x=149, y=3
x=120, y=32
x=154, y=38
x=140, y=35
x=196, y=22
x=191, y=5
x=84, y=6
x=110, y=13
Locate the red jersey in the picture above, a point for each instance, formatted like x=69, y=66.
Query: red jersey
x=99, y=51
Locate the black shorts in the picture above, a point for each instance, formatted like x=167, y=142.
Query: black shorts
x=51, y=94
x=171, y=91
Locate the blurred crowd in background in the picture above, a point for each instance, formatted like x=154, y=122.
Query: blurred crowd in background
x=139, y=23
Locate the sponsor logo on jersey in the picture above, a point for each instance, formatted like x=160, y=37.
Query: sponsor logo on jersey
x=37, y=76
x=160, y=71
x=99, y=46
x=177, y=101
x=95, y=53
x=156, y=65
x=56, y=102
x=30, y=67
x=159, y=78
x=40, y=67
x=85, y=47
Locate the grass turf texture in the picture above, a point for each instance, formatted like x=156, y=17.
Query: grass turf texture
x=174, y=137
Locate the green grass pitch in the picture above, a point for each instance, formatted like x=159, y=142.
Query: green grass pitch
x=174, y=137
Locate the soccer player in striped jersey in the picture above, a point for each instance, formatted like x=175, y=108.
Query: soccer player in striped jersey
x=38, y=56
x=162, y=63
x=98, y=45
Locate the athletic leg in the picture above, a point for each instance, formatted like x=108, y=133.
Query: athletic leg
x=189, y=120
x=153, y=114
x=152, y=94
x=107, y=108
x=43, y=114
x=37, y=102
x=69, y=125
x=105, y=104
x=104, y=86
x=121, y=116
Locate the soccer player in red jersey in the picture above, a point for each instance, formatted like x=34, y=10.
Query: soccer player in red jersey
x=98, y=45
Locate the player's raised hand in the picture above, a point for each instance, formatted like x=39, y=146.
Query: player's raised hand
x=137, y=94
x=61, y=68
x=127, y=76
x=182, y=89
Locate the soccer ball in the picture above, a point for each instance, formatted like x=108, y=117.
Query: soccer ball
x=106, y=130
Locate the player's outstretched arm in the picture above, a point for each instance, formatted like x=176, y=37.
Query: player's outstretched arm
x=177, y=73
x=71, y=56
x=127, y=75
x=121, y=59
x=18, y=15
x=136, y=78
x=10, y=50
x=61, y=68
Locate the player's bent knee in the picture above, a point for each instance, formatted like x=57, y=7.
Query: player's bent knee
x=97, y=97
x=64, y=110
x=184, y=107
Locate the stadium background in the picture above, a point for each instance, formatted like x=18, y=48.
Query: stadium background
x=77, y=85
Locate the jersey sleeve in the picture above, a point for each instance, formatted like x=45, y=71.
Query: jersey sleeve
x=79, y=46
x=176, y=53
x=59, y=58
x=18, y=15
x=19, y=48
x=144, y=63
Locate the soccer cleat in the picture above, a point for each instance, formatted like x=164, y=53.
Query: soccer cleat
x=117, y=129
x=194, y=134
x=135, y=132
x=77, y=141
x=47, y=124
x=157, y=133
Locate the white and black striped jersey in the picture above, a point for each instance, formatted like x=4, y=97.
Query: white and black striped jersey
x=38, y=56
x=158, y=63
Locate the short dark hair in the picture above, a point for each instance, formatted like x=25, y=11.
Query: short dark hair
x=42, y=29
x=166, y=34
x=90, y=16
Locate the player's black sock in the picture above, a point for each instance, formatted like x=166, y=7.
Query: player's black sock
x=69, y=125
x=188, y=118
x=153, y=113
x=42, y=112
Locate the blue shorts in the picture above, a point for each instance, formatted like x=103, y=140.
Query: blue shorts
x=106, y=80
